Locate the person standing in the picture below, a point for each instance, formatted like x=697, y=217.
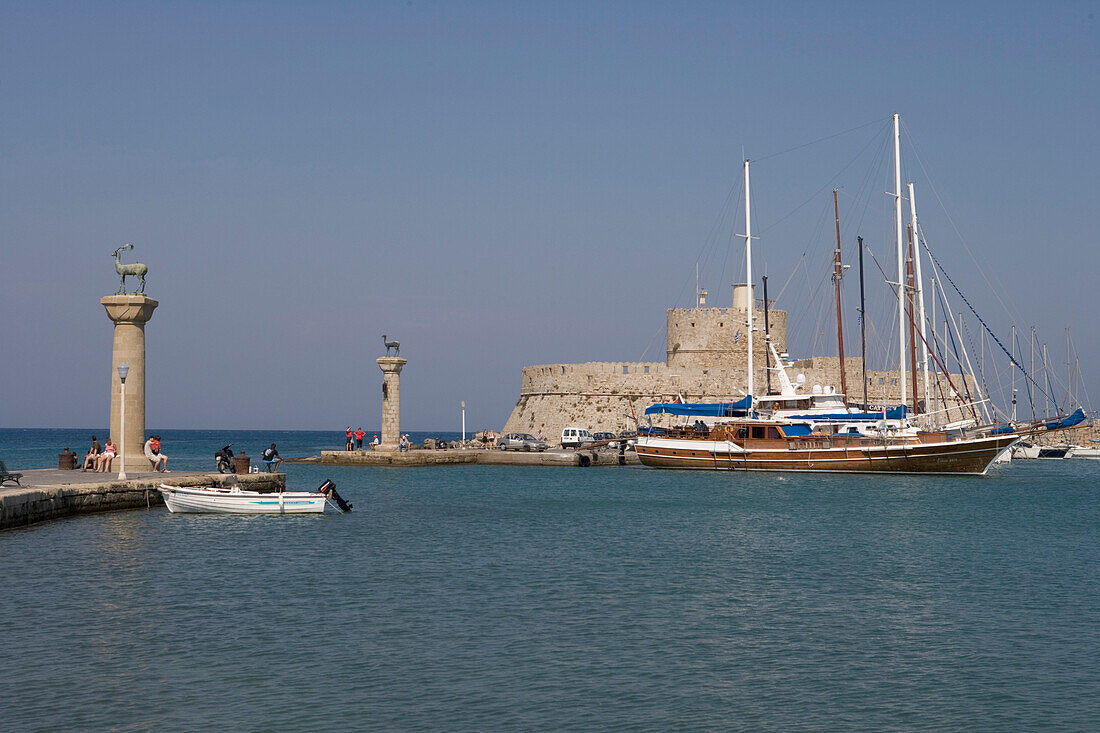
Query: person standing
x=359, y=438
x=347, y=438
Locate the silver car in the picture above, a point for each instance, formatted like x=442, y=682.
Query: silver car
x=521, y=441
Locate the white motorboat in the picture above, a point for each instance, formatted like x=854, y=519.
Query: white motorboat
x=234, y=500
x=1085, y=451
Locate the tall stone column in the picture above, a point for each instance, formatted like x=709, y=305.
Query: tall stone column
x=391, y=400
x=130, y=313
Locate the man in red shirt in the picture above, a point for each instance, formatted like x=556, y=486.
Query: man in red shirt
x=359, y=438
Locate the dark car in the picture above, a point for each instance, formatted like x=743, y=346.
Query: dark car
x=600, y=437
x=521, y=441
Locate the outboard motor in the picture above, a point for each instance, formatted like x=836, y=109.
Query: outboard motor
x=224, y=460
x=328, y=488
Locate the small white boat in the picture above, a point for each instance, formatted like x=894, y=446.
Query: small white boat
x=1025, y=450
x=1085, y=451
x=234, y=500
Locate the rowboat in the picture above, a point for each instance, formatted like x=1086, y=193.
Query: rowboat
x=234, y=500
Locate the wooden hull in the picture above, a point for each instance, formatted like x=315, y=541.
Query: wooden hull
x=972, y=456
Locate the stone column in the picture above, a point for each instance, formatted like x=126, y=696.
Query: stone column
x=391, y=400
x=130, y=314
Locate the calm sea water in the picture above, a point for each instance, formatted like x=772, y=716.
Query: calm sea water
x=515, y=598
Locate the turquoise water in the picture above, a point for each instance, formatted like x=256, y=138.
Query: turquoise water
x=520, y=598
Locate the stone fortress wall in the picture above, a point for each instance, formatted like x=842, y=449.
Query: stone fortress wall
x=704, y=363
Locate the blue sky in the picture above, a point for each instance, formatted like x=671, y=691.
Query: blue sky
x=506, y=184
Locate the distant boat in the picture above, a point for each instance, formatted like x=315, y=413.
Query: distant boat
x=234, y=500
x=1086, y=451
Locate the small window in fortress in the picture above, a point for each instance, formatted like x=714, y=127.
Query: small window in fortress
x=881, y=380
x=563, y=370
x=720, y=324
x=894, y=381
x=693, y=325
x=626, y=369
x=646, y=370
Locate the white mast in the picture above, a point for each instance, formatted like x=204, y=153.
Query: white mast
x=920, y=295
x=1046, y=378
x=1013, y=370
x=901, y=258
x=748, y=267
x=933, y=398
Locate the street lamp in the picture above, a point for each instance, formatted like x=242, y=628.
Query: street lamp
x=123, y=370
x=463, y=423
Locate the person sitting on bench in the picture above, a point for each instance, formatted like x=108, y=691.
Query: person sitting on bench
x=103, y=461
x=92, y=459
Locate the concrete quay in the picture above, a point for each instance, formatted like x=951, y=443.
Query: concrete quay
x=51, y=494
x=379, y=457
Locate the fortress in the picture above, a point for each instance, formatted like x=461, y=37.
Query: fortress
x=706, y=361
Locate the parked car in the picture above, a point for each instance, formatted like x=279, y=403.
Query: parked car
x=599, y=437
x=573, y=437
x=521, y=441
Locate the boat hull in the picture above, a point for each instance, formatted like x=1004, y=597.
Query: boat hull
x=230, y=501
x=972, y=456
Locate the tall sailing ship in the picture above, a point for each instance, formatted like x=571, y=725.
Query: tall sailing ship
x=821, y=432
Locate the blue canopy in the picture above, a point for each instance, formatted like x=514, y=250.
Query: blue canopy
x=1076, y=418
x=1002, y=430
x=702, y=409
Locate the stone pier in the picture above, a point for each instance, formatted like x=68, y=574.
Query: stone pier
x=129, y=313
x=391, y=367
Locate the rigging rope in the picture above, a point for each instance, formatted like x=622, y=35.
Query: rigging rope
x=984, y=325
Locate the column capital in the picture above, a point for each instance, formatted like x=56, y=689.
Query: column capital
x=392, y=363
x=136, y=308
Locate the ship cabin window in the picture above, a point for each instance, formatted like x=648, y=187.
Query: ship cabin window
x=626, y=370
x=757, y=432
x=646, y=369
x=742, y=433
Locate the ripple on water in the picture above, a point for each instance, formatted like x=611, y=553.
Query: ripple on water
x=522, y=598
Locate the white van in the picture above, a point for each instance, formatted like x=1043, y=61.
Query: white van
x=575, y=437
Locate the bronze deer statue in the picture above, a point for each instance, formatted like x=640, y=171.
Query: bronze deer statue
x=136, y=268
x=395, y=345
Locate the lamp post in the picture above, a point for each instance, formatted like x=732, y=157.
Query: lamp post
x=123, y=370
x=463, y=423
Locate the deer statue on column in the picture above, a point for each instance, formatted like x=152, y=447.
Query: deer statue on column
x=136, y=268
x=395, y=345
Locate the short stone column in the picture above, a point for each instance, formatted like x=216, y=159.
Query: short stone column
x=391, y=400
x=130, y=313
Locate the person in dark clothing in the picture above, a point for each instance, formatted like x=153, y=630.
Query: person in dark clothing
x=271, y=459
